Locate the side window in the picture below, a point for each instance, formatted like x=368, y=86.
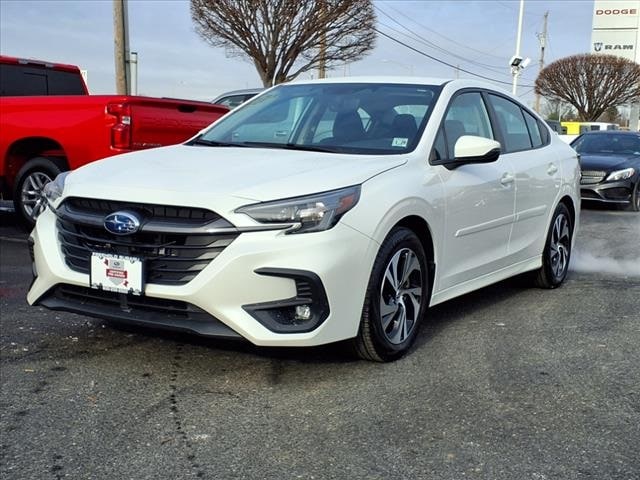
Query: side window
x=232, y=101
x=534, y=131
x=511, y=123
x=467, y=115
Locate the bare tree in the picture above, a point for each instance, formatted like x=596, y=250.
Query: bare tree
x=592, y=83
x=285, y=38
x=556, y=109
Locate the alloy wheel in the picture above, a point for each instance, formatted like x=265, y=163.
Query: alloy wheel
x=401, y=295
x=560, y=246
x=31, y=193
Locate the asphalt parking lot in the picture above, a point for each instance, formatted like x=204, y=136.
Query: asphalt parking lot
x=505, y=383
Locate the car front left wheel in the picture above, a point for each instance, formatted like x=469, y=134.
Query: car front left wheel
x=396, y=298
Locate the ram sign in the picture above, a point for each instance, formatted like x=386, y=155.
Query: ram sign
x=621, y=43
x=615, y=28
x=616, y=31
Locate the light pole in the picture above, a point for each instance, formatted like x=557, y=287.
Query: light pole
x=517, y=63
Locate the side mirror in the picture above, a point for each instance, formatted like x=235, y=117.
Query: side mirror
x=472, y=149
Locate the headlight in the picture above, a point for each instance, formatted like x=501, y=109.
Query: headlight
x=53, y=190
x=620, y=175
x=311, y=213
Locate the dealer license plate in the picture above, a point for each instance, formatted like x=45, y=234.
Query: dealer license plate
x=116, y=273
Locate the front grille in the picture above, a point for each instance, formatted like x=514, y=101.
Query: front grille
x=591, y=177
x=183, y=215
x=174, y=251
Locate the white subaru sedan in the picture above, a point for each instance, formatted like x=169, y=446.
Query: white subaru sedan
x=316, y=212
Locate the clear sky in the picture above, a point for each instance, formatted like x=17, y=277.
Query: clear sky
x=174, y=62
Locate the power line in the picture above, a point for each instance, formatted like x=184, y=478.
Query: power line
x=429, y=43
x=420, y=39
x=442, y=61
x=441, y=35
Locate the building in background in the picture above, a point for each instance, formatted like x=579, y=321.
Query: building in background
x=616, y=31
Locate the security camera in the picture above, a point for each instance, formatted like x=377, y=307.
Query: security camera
x=519, y=62
x=515, y=61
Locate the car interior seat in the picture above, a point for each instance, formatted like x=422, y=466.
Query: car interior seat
x=404, y=126
x=347, y=127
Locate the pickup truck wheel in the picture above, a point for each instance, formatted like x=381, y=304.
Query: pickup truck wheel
x=30, y=181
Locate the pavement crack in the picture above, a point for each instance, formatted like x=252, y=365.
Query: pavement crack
x=57, y=468
x=176, y=367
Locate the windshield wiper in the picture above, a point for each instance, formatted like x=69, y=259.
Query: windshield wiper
x=215, y=143
x=290, y=146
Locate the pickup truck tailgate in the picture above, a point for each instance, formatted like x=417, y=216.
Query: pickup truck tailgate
x=157, y=122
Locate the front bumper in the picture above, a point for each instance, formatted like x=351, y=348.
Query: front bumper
x=215, y=302
x=608, y=192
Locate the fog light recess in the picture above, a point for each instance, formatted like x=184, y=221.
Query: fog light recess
x=302, y=313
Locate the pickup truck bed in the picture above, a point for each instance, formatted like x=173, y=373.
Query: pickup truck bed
x=41, y=136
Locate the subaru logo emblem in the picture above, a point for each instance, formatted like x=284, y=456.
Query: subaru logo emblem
x=122, y=223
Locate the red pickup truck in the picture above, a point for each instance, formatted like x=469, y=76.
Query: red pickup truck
x=49, y=123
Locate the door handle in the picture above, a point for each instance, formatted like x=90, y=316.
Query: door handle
x=506, y=179
x=552, y=169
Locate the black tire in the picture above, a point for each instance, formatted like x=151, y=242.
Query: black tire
x=557, y=250
x=31, y=178
x=375, y=341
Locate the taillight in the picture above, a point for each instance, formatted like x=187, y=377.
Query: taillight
x=121, y=131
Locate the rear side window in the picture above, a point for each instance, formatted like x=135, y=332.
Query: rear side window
x=511, y=123
x=26, y=80
x=534, y=130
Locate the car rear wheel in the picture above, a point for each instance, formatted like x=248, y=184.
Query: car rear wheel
x=557, y=250
x=396, y=298
x=30, y=181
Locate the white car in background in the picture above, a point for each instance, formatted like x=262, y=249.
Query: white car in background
x=319, y=211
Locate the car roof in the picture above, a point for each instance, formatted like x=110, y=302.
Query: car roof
x=611, y=132
x=244, y=91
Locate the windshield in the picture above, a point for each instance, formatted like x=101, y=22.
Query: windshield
x=360, y=118
x=608, y=143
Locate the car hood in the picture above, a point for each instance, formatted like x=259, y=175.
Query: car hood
x=607, y=162
x=222, y=177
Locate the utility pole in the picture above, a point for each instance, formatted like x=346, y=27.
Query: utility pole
x=542, y=37
x=121, y=45
x=322, y=67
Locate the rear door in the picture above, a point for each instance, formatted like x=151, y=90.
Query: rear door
x=479, y=198
x=526, y=144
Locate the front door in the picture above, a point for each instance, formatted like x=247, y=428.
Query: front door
x=479, y=199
